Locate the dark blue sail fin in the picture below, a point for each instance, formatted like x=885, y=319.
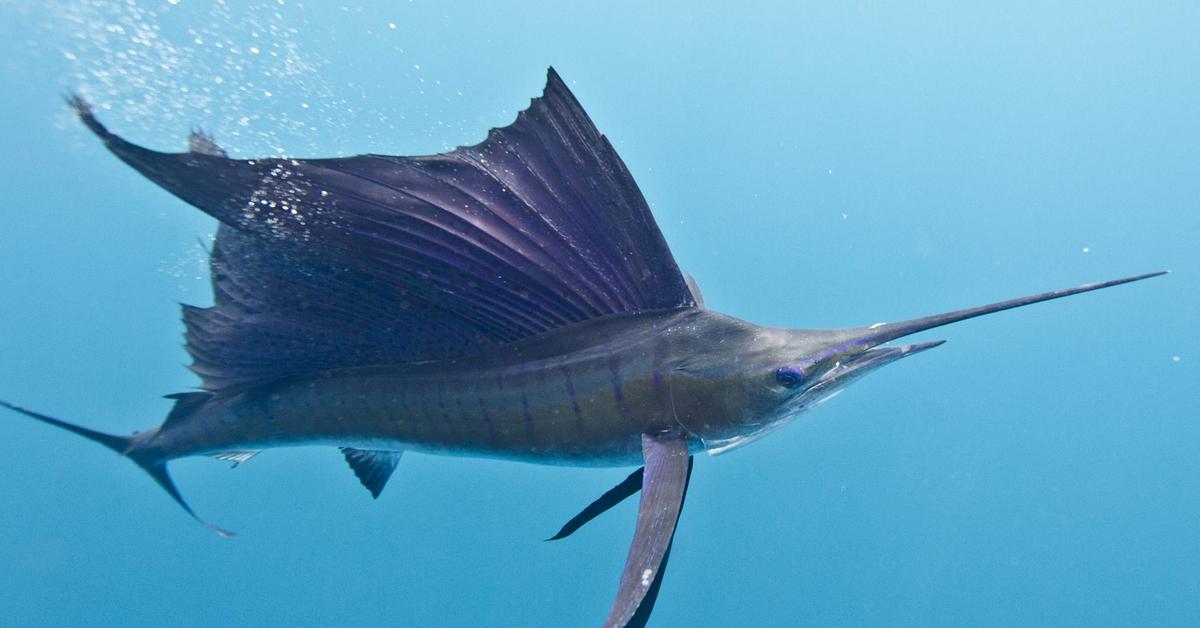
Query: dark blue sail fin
x=123, y=445
x=373, y=467
x=323, y=263
x=281, y=310
x=610, y=498
x=667, y=473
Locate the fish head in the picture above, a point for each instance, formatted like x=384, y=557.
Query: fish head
x=768, y=377
x=785, y=373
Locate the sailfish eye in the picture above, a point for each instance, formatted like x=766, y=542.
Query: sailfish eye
x=788, y=377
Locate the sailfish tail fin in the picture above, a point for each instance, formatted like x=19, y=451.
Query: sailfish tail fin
x=123, y=445
x=119, y=444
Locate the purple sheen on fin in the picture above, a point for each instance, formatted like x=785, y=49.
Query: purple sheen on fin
x=328, y=263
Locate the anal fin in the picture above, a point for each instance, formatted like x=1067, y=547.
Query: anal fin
x=372, y=466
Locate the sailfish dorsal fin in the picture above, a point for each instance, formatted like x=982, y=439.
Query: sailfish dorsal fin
x=375, y=259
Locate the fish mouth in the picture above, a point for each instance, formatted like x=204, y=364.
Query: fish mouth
x=855, y=366
x=878, y=356
x=827, y=387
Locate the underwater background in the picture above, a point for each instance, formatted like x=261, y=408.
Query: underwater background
x=811, y=164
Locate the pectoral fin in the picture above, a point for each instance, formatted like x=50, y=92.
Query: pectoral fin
x=664, y=486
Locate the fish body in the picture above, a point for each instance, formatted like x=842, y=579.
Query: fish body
x=513, y=299
x=580, y=396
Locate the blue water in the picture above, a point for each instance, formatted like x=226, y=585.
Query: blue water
x=812, y=167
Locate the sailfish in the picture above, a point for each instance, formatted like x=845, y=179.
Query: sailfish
x=513, y=299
